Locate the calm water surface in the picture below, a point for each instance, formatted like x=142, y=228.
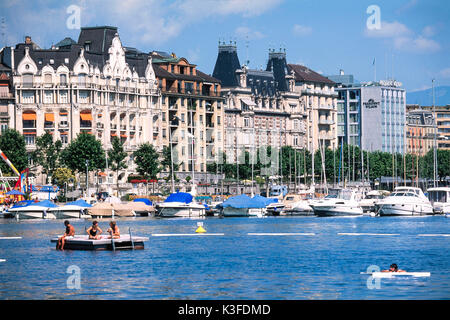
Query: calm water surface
x=236, y=265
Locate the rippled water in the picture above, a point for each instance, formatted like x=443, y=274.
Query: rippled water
x=236, y=265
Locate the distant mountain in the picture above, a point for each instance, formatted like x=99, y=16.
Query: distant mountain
x=425, y=97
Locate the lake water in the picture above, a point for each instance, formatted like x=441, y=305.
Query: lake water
x=325, y=265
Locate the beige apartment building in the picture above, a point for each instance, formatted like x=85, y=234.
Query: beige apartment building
x=319, y=99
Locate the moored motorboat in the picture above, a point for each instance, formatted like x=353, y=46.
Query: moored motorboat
x=36, y=210
x=405, y=201
x=345, y=204
x=180, y=204
x=440, y=199
x=368, y=204
x=76, y=209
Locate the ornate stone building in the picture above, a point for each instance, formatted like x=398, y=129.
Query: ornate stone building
x=95, y=85
x=261, y=107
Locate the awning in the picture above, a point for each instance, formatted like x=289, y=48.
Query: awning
x=99, y=115
x=123, y=136
x=113, y=134
x=29, y=116
x=103, y=174
x=49, y=117
x=86, y=116
x=64, y=133
x=63, y=113
x=31, y=133
x=248, y=102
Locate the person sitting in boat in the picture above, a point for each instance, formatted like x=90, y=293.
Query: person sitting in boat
x=113, y=230
x=393, y=268
x=94, y=231
x=69, y=234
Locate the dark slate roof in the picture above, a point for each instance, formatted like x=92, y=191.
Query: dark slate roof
x=99, y=38
x=304, y=74
x=261, y=82
x=226, y=65
x=203, y=77
x=277, y=64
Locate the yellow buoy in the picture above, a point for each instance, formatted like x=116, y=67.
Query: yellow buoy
x=200, y=228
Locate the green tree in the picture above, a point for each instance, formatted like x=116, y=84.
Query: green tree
x=147, y=161
x=166, y=162
x=84, y=147
x=12, y=144
x=47, y=153
x=116, y=158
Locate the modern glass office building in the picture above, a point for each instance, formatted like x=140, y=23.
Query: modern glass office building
x=372, y=115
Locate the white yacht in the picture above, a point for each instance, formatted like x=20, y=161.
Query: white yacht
x=405, y=201
x=440, y=199
x=345, y=204
x=372, y=197
x=76, y=209
x=37, y=210
x=296, y=205
x=180, y=204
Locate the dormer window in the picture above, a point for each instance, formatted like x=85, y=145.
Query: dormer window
x=87, y=46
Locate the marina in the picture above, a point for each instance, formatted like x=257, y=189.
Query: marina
x=237, y=258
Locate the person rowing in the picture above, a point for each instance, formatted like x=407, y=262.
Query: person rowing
x=393, y=268
x=94, y=231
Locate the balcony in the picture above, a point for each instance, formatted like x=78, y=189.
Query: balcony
x=113, y=126
x=132, y=128
x=326, y=107
x=123, y=127
x=100, y=125
x=326, y=122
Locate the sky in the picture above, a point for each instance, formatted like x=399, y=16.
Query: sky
x=407, y=40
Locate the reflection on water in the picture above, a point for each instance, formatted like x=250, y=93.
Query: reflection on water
x=234, y=266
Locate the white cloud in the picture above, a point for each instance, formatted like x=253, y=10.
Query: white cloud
x=388, y=30
x=247, y=33
x=418, y=44
x=300, y=30
x=445, y=73
x=404, y=39
x=428, y=31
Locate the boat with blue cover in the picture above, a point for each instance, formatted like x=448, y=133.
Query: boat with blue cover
x=244, y=206
x=34, y=210
x=180, y=204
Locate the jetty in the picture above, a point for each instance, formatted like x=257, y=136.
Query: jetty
x=82, y=242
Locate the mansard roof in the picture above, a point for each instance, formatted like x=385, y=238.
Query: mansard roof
x=98, y=38
x=226, y=65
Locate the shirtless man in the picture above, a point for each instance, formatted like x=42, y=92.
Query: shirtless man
x=70, y=232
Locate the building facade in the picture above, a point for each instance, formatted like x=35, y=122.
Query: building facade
x=191, y=117
x=261, y=107
x=367, y=108
x=442, y=116
x=318, y=98
x=420, y=132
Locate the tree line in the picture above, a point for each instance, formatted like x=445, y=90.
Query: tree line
x=61, y=165
x=348, y=163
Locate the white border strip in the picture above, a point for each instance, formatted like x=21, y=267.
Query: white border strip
x=10, y=238
x=433, y=235
x=281, y=234
x=185, y=234
x=2, y=260
x=368, y=234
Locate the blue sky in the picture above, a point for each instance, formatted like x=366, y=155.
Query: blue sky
x=412, y=44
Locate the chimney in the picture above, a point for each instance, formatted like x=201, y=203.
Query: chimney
x=341, y=72
x=27, y=40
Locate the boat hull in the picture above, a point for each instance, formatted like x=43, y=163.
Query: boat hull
x=181, y=211
x=404, y=210
x=235, y=212
x=337, y=211
x=34, y=215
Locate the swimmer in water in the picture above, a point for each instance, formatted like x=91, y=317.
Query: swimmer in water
x=393, y=268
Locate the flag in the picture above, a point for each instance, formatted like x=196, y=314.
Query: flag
x=373, y=63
